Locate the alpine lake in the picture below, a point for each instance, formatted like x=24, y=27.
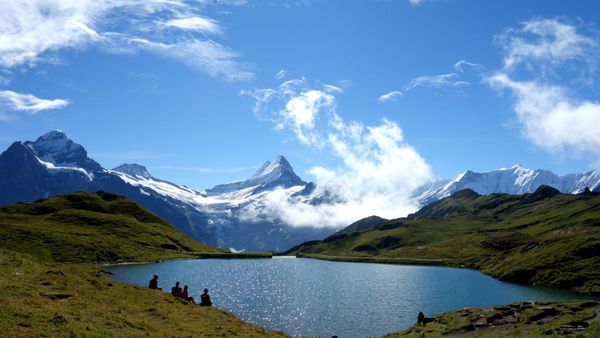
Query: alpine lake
x=308, y=297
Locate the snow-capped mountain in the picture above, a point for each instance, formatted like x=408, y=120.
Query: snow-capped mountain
x=224, y=216
x=242, y=215
x=278, y=173
x=514, y=180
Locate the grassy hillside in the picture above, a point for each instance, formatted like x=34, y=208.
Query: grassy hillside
x=531, y=319
x=92, y=227
x=41, y=299
x=51, y=290
x=543, y=238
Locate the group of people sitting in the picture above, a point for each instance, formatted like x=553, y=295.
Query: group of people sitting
x=177, y=291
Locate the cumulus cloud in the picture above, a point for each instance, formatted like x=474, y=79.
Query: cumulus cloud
x=378, y=170
x=33, y=31
x=551, y=116
x=392, y=96
x=551, y=119
x=28, y=103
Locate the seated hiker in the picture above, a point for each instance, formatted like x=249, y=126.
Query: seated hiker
x=176, y=290
x=154, y=283
x=422, y=320
x=205, y=299
x=185, y=295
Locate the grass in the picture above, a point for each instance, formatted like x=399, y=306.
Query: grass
x=53, y=285
x=41, y=299
x=522, y=319
x=97, y=228
x=544, y=238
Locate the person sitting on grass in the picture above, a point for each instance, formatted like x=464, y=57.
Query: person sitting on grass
x=185, y=295
x=154, y=283
x=205, y=299
x=176, y=290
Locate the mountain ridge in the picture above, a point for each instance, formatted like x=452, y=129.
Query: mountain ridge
x=233, y=215
x=542, y=238
x=54, y=165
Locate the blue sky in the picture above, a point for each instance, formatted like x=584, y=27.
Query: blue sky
x=180, y=86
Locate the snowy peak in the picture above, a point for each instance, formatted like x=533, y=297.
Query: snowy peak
x=515, y=180
x=276, y=173
x=279, y=170
x=56, y=148
x=280, y=164
x=134, y=170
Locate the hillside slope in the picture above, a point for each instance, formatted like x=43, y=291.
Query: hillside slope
x=42, y=299
x=92, y=227
x=544, y=238
x=50, y=289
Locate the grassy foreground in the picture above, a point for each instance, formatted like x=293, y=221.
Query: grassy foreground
x=39, y=299
x=543, y=238
x=523, y=319
x=52, y=284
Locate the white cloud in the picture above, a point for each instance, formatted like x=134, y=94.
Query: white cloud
x=546, y=40
x=551, y=117
x=301, y=111
x=28, y=103
x=197, y=23
x=459, y=66
x=434, y=81
x=378, y=171
x=415, y=2
x=34, y=31
x=332, y=89
x=204, y=55
x=281, y=74
x=392, y=96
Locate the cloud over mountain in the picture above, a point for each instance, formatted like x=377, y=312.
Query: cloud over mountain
x=378, y=170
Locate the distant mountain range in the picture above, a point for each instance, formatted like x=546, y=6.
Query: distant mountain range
x=232, y=215
x=515, y=180
x=55, y=165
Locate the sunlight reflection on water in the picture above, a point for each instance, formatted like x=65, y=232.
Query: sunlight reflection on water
x=312, y=297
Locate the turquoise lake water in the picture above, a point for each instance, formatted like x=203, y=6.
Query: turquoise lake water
x=312, y=297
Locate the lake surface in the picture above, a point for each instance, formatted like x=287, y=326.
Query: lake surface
x=312, y=297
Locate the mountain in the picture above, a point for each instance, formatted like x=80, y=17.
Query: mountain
x=92, y=227
x=234, y=215
x=543, y=238
x=242, y=215
x=278, y=173
x=514, y=180
x=362, y=224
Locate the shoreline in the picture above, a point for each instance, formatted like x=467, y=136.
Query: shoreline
x=199, y=255
x=451, y=263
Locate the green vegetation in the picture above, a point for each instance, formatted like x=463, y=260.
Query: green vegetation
x=544, y=238
x=50, y=289
x=41, y=299
x=531, y=319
